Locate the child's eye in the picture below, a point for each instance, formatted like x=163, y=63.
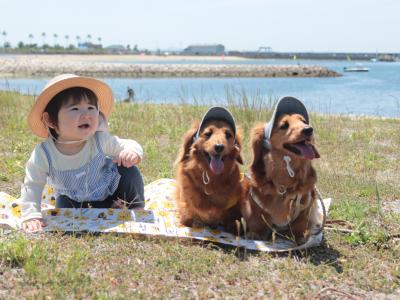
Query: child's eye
x=92, y=107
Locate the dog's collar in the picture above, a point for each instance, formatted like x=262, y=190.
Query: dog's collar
x=205, y=177
x=257, y=201
x=294, y=210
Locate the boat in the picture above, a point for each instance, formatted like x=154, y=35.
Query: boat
x=355, y=69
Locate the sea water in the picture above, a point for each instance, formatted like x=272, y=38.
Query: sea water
x=375, y=93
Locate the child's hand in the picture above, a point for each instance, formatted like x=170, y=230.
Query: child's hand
x=127, y=158
x=33, y=225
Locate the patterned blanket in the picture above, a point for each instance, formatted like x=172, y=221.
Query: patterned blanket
x=159, y=218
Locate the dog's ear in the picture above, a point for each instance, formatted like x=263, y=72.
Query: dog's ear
x=257, y=166
x=238, y=145
x=188, y=140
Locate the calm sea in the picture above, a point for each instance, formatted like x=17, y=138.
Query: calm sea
x=376, y=92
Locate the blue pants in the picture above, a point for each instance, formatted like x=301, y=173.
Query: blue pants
x=130, y=189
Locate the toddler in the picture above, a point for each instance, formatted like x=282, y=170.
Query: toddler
x=86, y=165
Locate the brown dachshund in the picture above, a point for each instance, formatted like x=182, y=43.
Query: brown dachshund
x=208, y=177
x=280, y=194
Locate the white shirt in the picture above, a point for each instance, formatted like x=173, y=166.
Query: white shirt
x=37, y=167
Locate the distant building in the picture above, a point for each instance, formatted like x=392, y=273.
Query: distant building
x=265, y=49
x=216, y=49
x=115, y=49
x=89, y=46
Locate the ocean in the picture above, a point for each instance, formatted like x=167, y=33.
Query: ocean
x=373, y=93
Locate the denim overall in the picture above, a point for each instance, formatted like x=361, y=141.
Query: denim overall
x=94, y=181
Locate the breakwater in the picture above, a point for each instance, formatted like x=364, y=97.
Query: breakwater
x=50, y=66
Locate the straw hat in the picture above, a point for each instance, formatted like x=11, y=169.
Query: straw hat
x=57, y=85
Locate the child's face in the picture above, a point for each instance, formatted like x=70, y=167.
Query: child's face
x=77, y=121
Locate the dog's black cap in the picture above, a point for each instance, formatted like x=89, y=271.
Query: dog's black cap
x=286, y=105
x=217, y=113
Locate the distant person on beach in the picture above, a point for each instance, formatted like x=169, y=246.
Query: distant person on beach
x=131, y=95
x=86, y=165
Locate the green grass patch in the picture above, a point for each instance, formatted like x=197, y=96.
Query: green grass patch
x=358, y=168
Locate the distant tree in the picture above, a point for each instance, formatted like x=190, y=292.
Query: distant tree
x=21, y=45
x=31, y=38
x=55, y=39
x=78, y=39
x=135, y=48
x=66, y=40
x=43, y=38
x=4, y=34
x=89, y=38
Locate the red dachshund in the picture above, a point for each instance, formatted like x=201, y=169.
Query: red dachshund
x=280, y=193
x=208, y=177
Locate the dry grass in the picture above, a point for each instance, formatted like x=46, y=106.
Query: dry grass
x=359, y=169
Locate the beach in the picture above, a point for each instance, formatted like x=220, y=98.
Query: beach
x=149, y=66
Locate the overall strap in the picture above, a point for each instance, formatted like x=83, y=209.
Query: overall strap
x=48, y=156
x=96, y=136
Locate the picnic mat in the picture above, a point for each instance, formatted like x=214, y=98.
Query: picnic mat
x=159, y=218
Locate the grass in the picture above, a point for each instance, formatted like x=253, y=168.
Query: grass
x=359, y=169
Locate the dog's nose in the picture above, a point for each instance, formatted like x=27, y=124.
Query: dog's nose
x=308, y=131
x=219, y=148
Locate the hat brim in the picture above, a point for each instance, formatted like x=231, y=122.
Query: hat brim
x=102, y=91
x=217, y=113
x=286, y=105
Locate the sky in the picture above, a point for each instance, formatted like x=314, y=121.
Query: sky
x=283, y=25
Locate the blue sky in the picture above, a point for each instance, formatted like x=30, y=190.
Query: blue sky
x=283, y=25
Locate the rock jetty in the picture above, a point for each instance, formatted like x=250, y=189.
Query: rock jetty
x=50, y=66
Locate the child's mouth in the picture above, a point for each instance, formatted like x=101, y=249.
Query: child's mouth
x=84, y=126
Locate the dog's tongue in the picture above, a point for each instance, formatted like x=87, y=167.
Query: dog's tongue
x=306, y=150
x=216, y=165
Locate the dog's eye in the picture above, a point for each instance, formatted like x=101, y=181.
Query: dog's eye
x=284, y=125
x=208, y=134
x=228, y=135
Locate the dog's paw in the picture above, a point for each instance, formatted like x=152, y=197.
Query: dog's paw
x=302, y=238
x=264, y=236
x=188, y=222
x=198, y=224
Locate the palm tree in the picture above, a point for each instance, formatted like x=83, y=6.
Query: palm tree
x=78, y=38
x=99, y=39
x=66, y=40
x=4, y=33
x=44, y=38
x=55, y=39
x=89, y=37
x=31, y=38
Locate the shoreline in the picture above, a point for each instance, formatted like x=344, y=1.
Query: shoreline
x=135, y=66
x=319, y=114
x=124, y=57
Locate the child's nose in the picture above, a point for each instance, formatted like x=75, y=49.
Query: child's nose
x=87, y=114
x=90, y=112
